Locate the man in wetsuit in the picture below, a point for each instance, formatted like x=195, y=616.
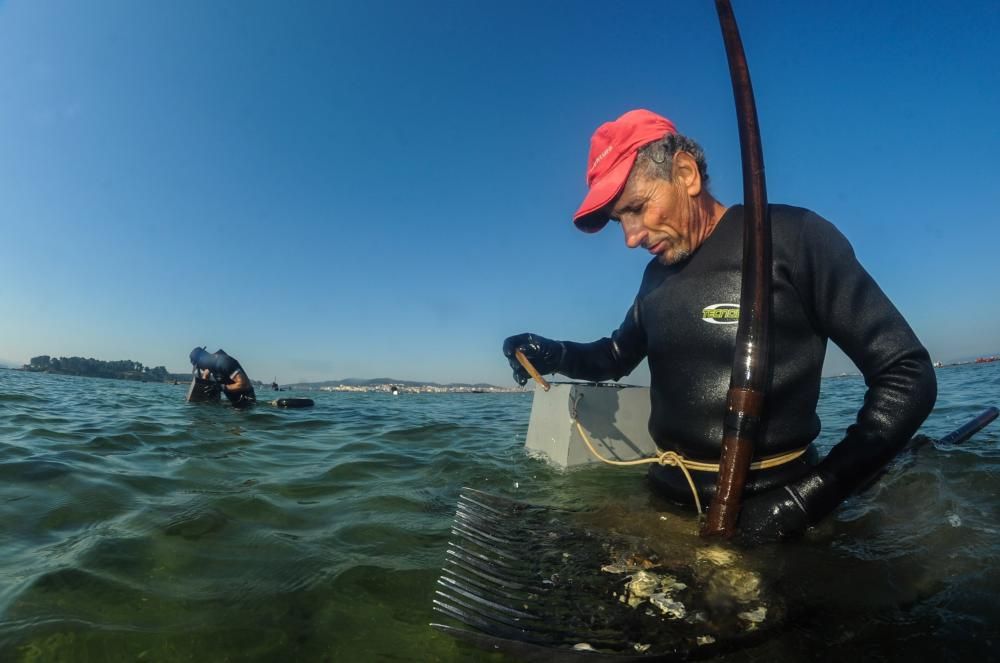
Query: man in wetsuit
x=227, y=372
x=653, y=181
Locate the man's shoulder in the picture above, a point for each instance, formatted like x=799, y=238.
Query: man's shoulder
x=806, y=235
x=785, y=217
x=228, y=362
x=801, y=222
x=791, y=214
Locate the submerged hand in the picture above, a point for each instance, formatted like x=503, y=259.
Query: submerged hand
x=546, y=355
x=208, y=389
x=787, y=511
x=772, y=516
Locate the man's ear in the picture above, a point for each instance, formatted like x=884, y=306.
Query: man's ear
x=685, y=172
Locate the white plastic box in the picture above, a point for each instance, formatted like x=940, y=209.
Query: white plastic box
x=615, y=417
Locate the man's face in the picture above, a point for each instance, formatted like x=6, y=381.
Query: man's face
x=656, y=215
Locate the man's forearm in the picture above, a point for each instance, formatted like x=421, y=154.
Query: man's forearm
x=897, y=402
x=600, y=360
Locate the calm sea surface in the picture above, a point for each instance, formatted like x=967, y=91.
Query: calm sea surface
x=137, y=527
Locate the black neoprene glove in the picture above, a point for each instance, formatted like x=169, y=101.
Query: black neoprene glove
x=787, y=511
x=546, y=355
x=209, y=389
x=772, y=516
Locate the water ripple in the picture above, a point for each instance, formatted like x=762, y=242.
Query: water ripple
x=135, y=526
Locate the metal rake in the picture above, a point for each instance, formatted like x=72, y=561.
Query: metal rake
x=530, y=583
x=529, y=580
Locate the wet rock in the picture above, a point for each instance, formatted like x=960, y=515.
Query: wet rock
x=754, y=617
x=735, y=584
x=715, y=556
x=642, y=584
x=669, y=607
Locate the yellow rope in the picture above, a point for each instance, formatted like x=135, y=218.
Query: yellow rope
x=674, y=459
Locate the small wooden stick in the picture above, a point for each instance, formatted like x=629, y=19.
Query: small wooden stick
x=531, y=370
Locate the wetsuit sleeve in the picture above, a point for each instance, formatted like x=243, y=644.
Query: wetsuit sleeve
x=225, y=367
x=850, y=308
x=608, y=358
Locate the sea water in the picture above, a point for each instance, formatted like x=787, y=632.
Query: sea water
x=137, y=527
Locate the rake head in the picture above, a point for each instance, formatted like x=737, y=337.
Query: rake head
x=531, y=583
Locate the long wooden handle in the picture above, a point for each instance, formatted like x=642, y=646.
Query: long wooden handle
x=531, y=370
x=748, y=386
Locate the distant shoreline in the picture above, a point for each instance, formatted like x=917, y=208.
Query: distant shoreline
x=382, y=385
x=171, y=377
x=330, y=386
x=988, y=359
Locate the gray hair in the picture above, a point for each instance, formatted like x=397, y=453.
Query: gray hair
x=657, y=158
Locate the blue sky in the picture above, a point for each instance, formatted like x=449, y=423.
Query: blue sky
x=373, y=189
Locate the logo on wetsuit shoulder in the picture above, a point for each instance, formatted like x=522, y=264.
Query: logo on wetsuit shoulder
x=721, y=314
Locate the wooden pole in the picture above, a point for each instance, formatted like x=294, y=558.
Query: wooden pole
x=528, y=366
x=746, y=399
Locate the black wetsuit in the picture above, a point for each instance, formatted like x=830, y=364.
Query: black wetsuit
x=680, y=322
x=224, y=369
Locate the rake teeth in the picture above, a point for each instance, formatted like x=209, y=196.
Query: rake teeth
x=483, y=556
x=498, y=502
x=480, y=512
x=476, y=613
x=511, y=522
x=507, y=576
x=487, y=617
x=483, y=568
x=485, y=518
x=475, y=535
x=485, y=589
x=456, y=587
x=469, y=567
x=503, y=558
x=537, y=583
x=492, y=628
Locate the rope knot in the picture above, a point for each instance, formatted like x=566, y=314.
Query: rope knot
x=674, y=459
x=671, y=458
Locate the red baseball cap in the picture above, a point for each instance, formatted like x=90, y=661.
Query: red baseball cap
x=612, y=152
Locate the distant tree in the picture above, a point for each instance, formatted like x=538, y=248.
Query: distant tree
x=122, y=369
x=159, y=373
